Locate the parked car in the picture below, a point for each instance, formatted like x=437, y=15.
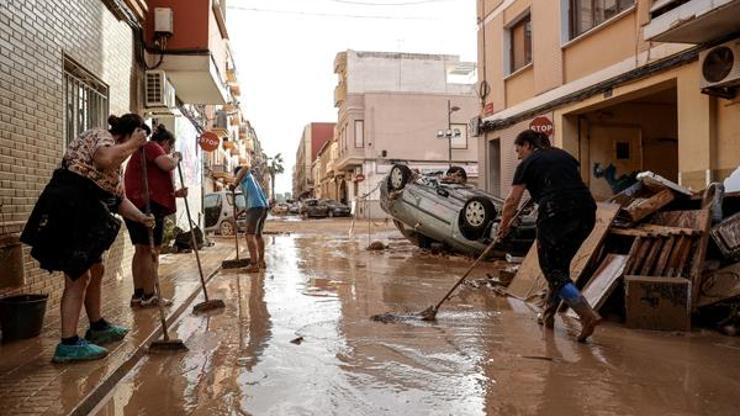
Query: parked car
x=337, y=209
x=313, y=208
x=463, y=218
x=219, y=212
x=295, y=208
x=280, y=209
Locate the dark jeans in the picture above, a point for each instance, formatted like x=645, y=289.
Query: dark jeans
x=560, y=232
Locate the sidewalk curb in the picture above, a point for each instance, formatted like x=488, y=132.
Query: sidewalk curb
x=89, y=402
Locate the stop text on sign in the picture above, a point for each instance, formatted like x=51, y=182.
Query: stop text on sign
x=209, y=141
x=542, y=124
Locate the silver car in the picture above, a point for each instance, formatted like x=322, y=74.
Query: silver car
x=463, y=218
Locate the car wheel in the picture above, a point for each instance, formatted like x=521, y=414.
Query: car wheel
x=475, y=217
x=398, y=178
x=226, y=228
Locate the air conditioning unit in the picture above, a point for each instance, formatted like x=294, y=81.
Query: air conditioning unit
x=720, y=68
x=158, y=91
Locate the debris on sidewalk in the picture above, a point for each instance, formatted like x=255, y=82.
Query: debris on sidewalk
x=650, y=259
x=376, y=246
x=297, y=341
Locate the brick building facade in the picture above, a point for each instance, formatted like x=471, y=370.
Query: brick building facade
x=64, y=65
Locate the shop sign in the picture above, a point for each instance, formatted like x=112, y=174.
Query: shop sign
x=542, y=124
x=208, y=141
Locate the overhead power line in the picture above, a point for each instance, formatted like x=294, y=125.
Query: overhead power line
x=350, y=16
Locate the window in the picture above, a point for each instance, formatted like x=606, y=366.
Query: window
x=85, y=101
x=212, y=201
x=359, y=133
x=587, y=14
x=459, y=141
x=520, y=35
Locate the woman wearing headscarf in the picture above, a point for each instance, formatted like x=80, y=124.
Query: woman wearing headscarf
x=72, y=226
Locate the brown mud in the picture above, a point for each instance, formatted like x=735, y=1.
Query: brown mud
x=484, y=355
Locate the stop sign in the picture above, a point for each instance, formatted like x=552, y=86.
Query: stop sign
x=208, y=141
x=542, y=124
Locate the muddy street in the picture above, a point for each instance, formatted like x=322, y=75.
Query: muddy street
x=297, y=340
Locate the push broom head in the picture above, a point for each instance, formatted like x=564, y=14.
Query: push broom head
x=209, y=306
x=169, y=345
x=235, y=264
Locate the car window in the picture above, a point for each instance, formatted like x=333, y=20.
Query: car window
x=240, y=202
x=212, y=201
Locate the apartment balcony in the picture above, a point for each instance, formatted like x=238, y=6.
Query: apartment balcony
x=221, y=172
x=349, y=159
x=340, y=94
x=695, y=21
x=220, y=124
x=195, y=56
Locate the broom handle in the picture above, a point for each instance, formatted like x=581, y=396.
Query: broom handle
x=192, y=235
x=475, y=263
x=236, y=227
x=150, y=235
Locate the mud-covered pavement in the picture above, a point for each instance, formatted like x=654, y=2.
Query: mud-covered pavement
x=484, y=355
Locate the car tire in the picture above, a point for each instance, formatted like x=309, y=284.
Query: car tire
x=398, y=177
x=226, y=228
x=476, y=216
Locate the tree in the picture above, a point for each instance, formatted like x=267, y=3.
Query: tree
x=275, y=167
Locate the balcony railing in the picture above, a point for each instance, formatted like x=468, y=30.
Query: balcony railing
x=694, y=21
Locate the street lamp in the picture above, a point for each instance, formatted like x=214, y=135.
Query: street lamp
x=449, y=134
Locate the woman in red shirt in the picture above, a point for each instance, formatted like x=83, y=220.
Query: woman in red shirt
x=159, y=166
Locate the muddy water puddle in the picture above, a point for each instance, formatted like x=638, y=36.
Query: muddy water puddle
x=483, y=355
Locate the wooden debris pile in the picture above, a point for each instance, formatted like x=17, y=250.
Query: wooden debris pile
x=657, y=254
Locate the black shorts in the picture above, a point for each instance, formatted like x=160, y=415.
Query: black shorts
x=256, y=220
x=138, y=231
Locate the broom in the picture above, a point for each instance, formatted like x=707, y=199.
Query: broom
x=238, y=263
x=167, y=343
x=208, y=304
x=430, y=313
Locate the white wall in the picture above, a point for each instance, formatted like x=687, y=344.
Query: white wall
x=187, y=144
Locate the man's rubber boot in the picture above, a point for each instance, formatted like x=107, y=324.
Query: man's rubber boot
x=589, y=318
x=547, y=316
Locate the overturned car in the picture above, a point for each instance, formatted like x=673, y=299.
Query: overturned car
x=429, y=209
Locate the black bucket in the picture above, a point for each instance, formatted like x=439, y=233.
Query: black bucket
x=22, y=316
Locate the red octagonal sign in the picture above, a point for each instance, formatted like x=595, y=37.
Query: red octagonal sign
x=209, y=141
x=542, y=124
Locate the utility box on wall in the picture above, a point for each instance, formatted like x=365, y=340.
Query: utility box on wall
x=659, y=303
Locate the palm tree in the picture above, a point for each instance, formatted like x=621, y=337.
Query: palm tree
x=274, y=168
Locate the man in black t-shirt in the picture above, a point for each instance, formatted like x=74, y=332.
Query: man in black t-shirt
x=566, y=216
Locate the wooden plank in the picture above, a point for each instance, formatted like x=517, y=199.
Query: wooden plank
x=652, y=257
x=645, y=230
x=631, y=256
x=651, y=205
x=682, y=257
x=682, y=219
x=665, y=254
x=529, y=278
x=704, y=222
x=639, y=259
x=602, y=284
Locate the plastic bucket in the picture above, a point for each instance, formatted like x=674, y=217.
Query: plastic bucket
x=22, y=316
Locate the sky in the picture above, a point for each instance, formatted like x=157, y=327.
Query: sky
x=284, y=53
